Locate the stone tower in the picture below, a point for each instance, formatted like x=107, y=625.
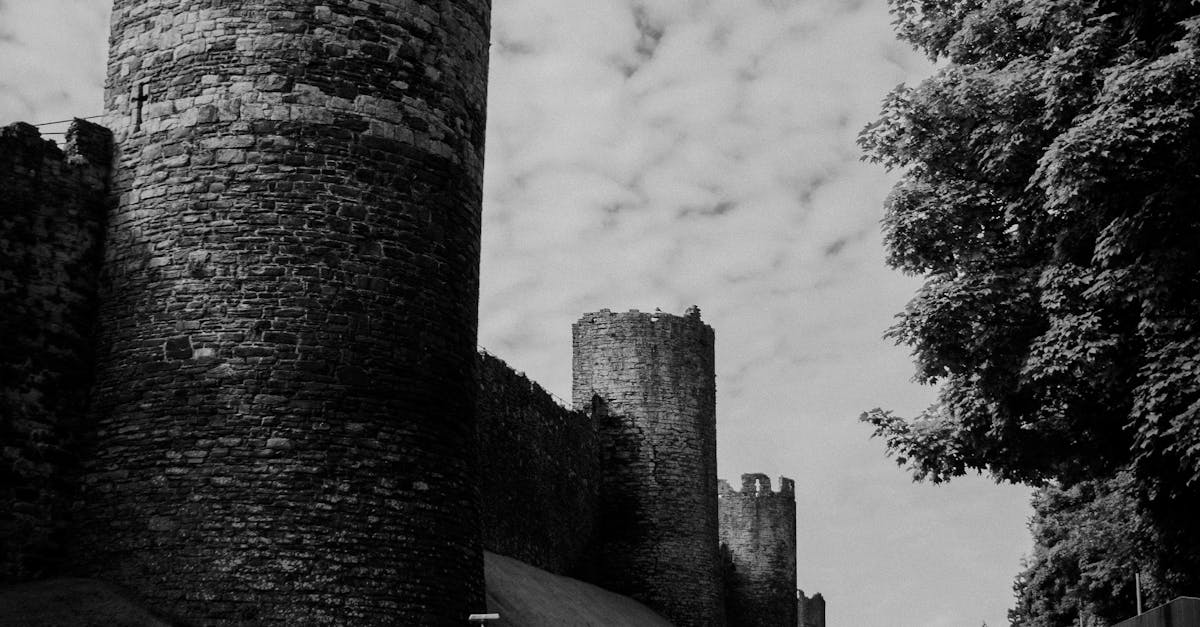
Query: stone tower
x=648, y=380
x=283, y=414
x=758, y=536
x=811, y=610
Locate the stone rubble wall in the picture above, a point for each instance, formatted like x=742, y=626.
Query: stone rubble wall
x=284, y=413
x=51, y=225
x=758, y=536
x=648, y=380
x=539, y=473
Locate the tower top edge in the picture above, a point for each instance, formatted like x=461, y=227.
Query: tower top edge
x=690, y=315
x=757, y=485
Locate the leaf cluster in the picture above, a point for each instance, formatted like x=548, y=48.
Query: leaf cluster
x=1089, y=542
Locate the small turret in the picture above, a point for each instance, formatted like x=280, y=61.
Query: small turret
x=758, y=538
x=810, y=610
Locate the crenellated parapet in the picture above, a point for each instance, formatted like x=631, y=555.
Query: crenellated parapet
x=758, y=485
x=758, y=540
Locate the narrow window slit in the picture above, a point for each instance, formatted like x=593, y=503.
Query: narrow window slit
x=141, y=97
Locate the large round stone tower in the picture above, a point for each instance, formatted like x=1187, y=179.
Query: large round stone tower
x=284, y=408
x=648, y=380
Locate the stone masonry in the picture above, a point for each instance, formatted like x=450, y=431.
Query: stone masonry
x=284, y=408
x=758, y=536
x=51, y=220
x=648, y=380
x=539, y=473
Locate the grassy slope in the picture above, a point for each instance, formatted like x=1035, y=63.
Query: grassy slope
x=525, y=596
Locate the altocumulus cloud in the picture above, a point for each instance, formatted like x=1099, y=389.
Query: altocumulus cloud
x=670, y=152
x=51, y=58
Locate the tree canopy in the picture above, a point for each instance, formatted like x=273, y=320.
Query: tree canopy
x=1050, y=196
x=1089, y=540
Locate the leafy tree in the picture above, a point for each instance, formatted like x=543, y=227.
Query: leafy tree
x=1089, y=540
x=1050, y=195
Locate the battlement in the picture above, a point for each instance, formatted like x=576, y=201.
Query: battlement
x=535, y=388
x=757, y=485
x=87, y=146
x=690, y=317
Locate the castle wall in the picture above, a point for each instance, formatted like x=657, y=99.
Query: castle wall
x=539, y=472
x=649, y=382
x=51, y=223
x=284, y=411
x=758, y=534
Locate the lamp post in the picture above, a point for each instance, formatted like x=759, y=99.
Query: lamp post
x=1137, y=586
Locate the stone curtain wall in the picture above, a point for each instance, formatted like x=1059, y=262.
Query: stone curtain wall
x=758, y=532
x=648, y=379
x=539, y=472
x=51, y=217
x=285, y=398
x=811, y=609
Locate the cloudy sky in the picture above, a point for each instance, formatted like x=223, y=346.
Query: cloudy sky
x=664, y=153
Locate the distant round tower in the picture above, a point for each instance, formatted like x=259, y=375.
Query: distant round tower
x=758, y=535
x=648, y=380
x=284, y=410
